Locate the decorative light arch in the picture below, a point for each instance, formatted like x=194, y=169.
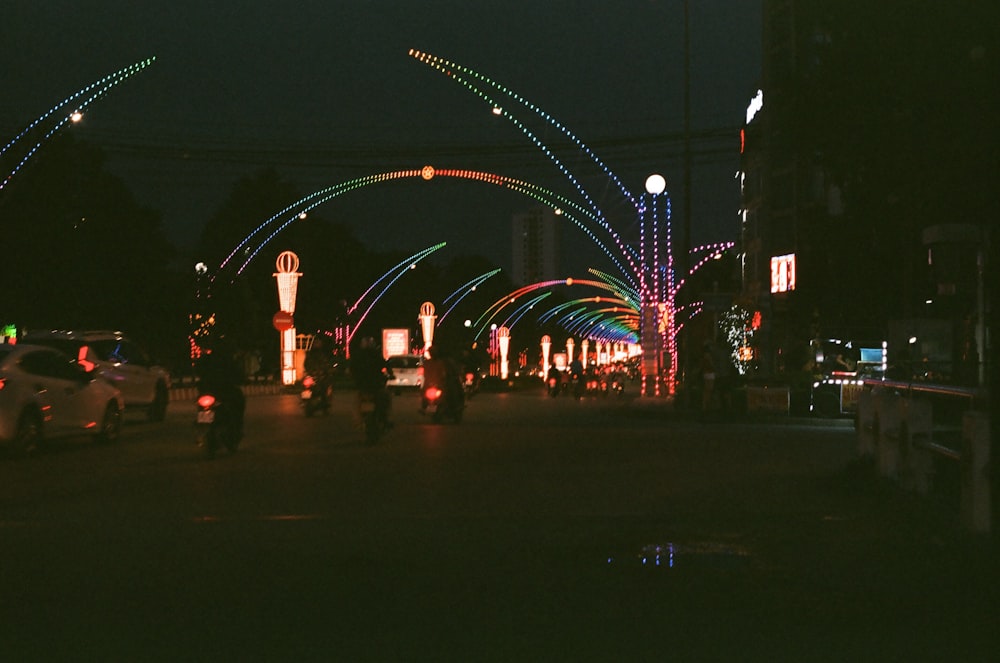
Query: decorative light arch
x=75, y=103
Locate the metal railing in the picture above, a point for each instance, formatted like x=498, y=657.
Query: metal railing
x=904, y=426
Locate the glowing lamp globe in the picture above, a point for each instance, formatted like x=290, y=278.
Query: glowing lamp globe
x=656, y=184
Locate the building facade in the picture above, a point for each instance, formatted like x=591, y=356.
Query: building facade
x=535, y=244
x=861, y=160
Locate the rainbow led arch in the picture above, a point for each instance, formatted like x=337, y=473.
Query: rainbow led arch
x=76, y=102
x=392, y=275
x=650, y=281
x=272, y=226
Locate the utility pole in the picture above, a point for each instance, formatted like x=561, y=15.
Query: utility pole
x=685, y=251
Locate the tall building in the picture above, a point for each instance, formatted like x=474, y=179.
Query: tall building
x=865, y=180
x=535, y=242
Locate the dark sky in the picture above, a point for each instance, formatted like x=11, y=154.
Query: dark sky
x=326, y=91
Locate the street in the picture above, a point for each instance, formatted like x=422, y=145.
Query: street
x=536, y=529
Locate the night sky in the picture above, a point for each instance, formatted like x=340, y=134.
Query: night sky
x=326, y=91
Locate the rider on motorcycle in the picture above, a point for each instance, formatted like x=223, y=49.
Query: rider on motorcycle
x=319, y=365
x=220, y=375
x=370, y=373
x=442, y=372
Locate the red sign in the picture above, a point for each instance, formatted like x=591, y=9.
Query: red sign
x=282, y=321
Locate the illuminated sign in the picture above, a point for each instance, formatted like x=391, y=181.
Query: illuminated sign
x=783, y=273
x=755, y=105
x=395, y=342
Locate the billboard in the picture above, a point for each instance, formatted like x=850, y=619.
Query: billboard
x=395, y=342
x=783, y=273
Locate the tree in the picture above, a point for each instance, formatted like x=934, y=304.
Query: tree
x=82, y=251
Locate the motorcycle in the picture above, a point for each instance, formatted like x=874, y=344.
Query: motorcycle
x=553, y=386
x=315, y=396
x=373, y=409
x=441, y=403
x=216, y=426
x=471, y=384
x=612, y=386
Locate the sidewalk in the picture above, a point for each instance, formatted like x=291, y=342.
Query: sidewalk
x=848, y=565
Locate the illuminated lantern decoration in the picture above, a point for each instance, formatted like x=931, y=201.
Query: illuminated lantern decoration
x=503, y=339
x=287, y=277
x=546, y=349
x=427, y=319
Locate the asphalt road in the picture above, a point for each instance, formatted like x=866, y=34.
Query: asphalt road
x=535, y=530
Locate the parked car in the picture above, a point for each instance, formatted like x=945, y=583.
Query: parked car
x=117, y=359
x=407, y=372
x=45, y=394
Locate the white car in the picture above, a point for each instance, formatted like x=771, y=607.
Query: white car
x=117, y=359
x=46, y=394
x=407, y=372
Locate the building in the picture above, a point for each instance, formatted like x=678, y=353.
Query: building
x=866, y=132
x=535, y=243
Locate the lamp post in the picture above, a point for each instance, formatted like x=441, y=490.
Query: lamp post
x=287, y=277
x=654, y=311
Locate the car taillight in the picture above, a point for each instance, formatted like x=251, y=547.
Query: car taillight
x=205, y=401
x=420, y=371
x=432, y=393
x=3, y=383
x=81, y=358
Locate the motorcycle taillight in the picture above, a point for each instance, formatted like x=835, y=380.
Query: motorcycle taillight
x=432, y=393
x=206, y=401
x=308, y=382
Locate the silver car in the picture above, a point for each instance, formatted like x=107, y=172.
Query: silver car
x=117, y=359
x=46, y=394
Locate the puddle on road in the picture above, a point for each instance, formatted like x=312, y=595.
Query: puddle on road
x=704, y=555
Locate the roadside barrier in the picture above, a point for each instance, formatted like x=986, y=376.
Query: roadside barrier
x=907, y=429
x=188, y=392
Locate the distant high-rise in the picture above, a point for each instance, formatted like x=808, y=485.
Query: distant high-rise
x=535, y=246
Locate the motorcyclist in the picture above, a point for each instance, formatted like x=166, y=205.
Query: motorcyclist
x=370, y=372
x=577, y=377
x=319, y=365
x=441, y=372
x=219, y=374
x=554, y=380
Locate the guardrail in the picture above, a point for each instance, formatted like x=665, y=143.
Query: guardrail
x=907, y=427
x=186, y=389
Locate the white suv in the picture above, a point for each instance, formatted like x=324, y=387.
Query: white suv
x=119, y=361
